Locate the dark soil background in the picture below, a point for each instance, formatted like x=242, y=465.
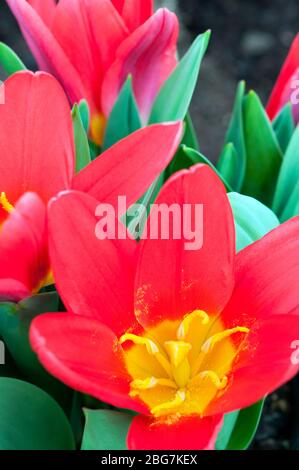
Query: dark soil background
x=250, y=41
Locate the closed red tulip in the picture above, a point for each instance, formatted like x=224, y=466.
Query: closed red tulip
x=91, y=46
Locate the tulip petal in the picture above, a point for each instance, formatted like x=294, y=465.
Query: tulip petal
x=187, y=433
x=265, y=363
x=131, y=166
x=45, y=9
x=24, y=260
x=173, y=278
x=98, y=280
x=279, y=97
x=85, y=355
x=266, y=276
x=36, y=154
x=46, y=49
x=89, y=31
x=149, y=55
x=136, y=12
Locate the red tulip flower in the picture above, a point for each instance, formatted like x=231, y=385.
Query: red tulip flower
x=91, y=46
x=178, y=336
x=286, y=88
x=38, y=161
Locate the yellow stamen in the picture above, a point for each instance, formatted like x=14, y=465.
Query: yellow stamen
x=151, y=382
x=6, y=205
x=188, y=319
x=98, y=126
x=210, y=343
x=168, y=407
x=211, y=375
x=151, y=347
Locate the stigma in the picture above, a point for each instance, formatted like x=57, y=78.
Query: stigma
x=178, y=368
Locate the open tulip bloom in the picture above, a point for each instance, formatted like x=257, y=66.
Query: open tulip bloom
x=38, y=160
x=180, y=337
x=92, y=46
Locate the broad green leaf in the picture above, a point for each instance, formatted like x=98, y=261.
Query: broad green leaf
x=105, y=430
x=124, y=117
x=288, y=176
x=224, y=435
x=235, y=135
x=228, y=165
x=245, y=427
x=291, y=208
x=30, y=419
x=193, y=157
x=263, y=153
x=84, y=114
x=9, y=60
x=190, y=139
x=173, y=100
x=253, y=220
x=81, y=141
x=15, y=321
x=284, y=126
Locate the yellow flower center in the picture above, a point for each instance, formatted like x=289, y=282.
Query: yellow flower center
x=98, y=127
x=6, y=205
x=179, y=367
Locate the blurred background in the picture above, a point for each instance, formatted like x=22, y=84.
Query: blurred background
x=250, y=39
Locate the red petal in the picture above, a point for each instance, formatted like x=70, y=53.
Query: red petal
x=264, y=364
x=171, y=280
x=24, y=260
x=46, y=50
x=99, y=31
x=12, y=290
x=45, y=9
x=149, y=55
x=187, y=433
x=36, y=154
x=94, y=277
x=136, y=12
x=131, y=166
x=85, y=355
x=290, y=66
x=266, y=276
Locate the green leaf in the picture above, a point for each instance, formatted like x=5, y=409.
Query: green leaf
x=291, y=208
x=124, y=117
x=235, y=135
x=9, y=60
x=245, y=427
x=191, y=157
x=81, y=141
x=288, y=176
x=284, y=126
x=173, y=100
x=84, y=114
x=15, y=321
x=190, y=139
x=253, y=220
x=224, y=435
x=228, y=165
x=30, y=419
x=263, y=153
x=105, y=430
